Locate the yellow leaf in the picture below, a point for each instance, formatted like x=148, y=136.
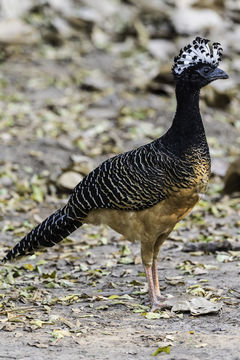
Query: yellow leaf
x=126, y=260
x=37, y=194
x=165, y=349
x=36, y=322
x=73, y=297
x=29, y=267
x=112, y=297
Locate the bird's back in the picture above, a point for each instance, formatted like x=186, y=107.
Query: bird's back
x=162, y=187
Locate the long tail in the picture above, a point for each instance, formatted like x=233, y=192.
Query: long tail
x=51, y=231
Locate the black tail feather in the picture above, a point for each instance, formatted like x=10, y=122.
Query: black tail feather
x=51, y=231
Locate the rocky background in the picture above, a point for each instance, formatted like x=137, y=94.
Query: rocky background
x=81, y=81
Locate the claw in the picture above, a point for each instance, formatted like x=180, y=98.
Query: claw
x=161, y=298
x=159, y=306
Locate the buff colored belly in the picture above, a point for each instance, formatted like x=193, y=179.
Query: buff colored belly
x=147, y=224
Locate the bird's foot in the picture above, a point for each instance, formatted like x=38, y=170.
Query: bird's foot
x=160, y=297
x=159, y=306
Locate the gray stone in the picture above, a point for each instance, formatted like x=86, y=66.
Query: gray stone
x=191, y=21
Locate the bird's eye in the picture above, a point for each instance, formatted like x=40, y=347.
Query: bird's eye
x=206, y=70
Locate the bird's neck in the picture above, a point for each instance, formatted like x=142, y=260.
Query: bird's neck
x=187, y=129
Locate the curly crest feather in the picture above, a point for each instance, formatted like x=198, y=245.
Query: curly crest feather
x=196, y=53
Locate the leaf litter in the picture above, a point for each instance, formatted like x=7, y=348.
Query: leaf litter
x=107, y=97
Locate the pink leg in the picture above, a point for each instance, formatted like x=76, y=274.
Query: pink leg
x=156, y=249
x=156, y=281
x=151, y=288
x=149, y=253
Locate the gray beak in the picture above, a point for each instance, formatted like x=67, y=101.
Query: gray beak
x=218, y=74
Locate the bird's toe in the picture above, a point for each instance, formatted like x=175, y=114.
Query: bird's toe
x=161, y=298
x=159, y=306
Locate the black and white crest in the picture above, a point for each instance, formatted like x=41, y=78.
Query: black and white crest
x=195, y=53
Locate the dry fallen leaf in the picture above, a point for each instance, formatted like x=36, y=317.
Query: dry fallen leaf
x=59, y=333
x=157, y=315
x=163, y=348
x=175, y=280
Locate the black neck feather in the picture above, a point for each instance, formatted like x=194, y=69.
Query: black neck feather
x=187, y=129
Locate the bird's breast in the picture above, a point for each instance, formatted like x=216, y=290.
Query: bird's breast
x=202, y=167
x=150, y=223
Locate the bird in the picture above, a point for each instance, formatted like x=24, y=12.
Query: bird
x=143, y=193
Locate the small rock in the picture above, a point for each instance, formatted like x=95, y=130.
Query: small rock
x=219, y=94
x=104, y=7
x=202, y=306
x=231, y=38
x=233, y=8
x=196, y=305
x=232, y=178
x=99, y=38
x=160, y=83
x=96, y=81
x=82, y=164
x=190, y=21
x=83, y=16
x=161, y=49
x=12, y=9
x=101, y=113
x=5, y=181
x=69, y=180
x=62, y=27
x=65, y=143
x=6, y=137
x=9, y=327
x=219, y=166
x=236, y=64
x=17, y=32
x=152, y=7
x=62, y=6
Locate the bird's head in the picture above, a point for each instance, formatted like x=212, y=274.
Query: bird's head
x=197, y=64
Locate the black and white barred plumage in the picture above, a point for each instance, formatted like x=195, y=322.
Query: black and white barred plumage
x=135, y=180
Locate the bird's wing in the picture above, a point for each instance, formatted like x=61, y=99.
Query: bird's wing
x=135, y=180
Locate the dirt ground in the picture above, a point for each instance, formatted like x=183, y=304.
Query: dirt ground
x=87, y=297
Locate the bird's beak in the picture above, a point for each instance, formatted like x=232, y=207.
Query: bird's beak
x=218, y=74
